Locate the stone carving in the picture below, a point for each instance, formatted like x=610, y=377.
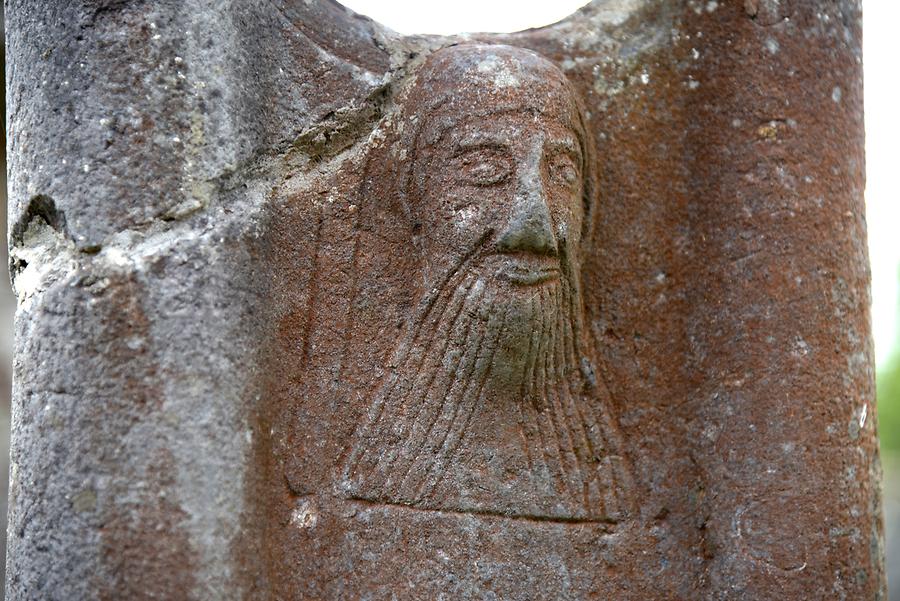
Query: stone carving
x=269, y=344
x=491, y=404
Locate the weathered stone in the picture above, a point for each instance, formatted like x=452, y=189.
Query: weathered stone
x=310, y=310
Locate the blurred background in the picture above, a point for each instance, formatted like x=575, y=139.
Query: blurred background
x=881, y=51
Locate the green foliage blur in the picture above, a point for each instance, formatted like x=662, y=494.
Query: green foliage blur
x=888, y=391
x=887, y=388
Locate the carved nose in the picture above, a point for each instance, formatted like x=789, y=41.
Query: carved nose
x=530, y=228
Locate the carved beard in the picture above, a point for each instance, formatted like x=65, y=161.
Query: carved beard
x=487, y=409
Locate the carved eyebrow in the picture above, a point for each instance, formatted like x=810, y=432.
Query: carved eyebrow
x=567, y=143
x=482, y=138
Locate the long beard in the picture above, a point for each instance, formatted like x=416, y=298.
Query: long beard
x=487, y=409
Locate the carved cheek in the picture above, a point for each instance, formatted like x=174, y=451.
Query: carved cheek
x=567, y=214
x=575, y=221
x=473, y=211
x=465, y=218
x=562, y=231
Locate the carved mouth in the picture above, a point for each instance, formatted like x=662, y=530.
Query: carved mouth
x=528, y=270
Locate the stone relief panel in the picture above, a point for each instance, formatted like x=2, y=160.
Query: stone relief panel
x=489, y=403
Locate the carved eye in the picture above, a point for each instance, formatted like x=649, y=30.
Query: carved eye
x=485, y=166
x=563, y=169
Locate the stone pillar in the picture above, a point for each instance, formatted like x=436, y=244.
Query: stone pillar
x=781, y=357
x=311, y=310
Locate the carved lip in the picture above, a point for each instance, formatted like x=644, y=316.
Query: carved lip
x=528, y=270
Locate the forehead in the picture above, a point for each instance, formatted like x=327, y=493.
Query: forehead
x=504, y=67
x=482, y=79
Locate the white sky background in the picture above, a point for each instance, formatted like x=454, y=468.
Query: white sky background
x=458, y=16
x=882, y=53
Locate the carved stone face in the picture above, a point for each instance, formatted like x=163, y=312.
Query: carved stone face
x=504, y=178
x=514, y=181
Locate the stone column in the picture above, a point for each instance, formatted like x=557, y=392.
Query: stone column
x=781, y=356
x=311, y=310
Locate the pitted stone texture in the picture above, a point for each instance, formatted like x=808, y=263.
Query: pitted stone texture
x=229, y=221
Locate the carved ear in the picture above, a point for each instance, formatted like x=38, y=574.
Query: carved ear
x=382, y=195
x=386, y=265
x=387, y=190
